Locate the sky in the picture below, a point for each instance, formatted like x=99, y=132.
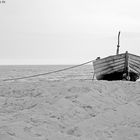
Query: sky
x=67, y=31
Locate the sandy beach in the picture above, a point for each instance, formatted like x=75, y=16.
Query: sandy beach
x=70, y=110
x=69, y=70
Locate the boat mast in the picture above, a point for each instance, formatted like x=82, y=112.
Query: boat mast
x=118, y=45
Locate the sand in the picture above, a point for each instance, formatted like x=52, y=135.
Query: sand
x=69, y=110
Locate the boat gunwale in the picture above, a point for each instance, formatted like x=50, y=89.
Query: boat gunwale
x=109, y=58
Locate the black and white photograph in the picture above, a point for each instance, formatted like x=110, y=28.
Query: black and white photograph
x=69, y=70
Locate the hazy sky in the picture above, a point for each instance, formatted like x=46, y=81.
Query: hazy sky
x=66, y=31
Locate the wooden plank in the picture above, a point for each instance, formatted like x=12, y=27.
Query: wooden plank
x=107, y=71
x=109, y=63
x=134, y=57
x=132, y=70
x=110, y=58
x=110, y=68
x=113, y=66
x=134, y=67
x=117, y=68
x=103, y=61
x=134, y=62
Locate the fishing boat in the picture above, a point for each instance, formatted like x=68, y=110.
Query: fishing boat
x=125, y=66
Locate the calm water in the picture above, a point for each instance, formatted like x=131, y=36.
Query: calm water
x=82, y=72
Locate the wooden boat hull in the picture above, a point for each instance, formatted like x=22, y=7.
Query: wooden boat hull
x=114, y=67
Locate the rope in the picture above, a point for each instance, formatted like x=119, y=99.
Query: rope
x=51, y=72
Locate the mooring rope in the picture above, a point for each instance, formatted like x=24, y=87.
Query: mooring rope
x=47, y=73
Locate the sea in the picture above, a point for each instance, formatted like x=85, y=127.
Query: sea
x=18, y=71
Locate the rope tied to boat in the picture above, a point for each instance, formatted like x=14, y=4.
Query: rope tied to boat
x=47, y=73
